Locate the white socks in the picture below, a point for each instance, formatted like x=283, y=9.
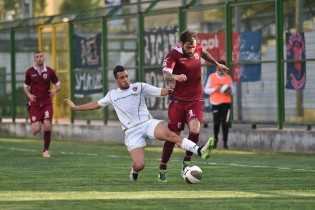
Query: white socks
x=190, y=146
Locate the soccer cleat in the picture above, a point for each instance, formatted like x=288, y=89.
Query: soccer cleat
x=225, y=147
x=206, y=149
x=46, y=154
x=133, y=176
x=184, y=165
x=162, y=176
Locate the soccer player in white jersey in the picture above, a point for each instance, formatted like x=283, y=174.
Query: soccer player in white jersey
x=128, y=101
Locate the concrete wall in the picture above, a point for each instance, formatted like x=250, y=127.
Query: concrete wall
x=241, y=137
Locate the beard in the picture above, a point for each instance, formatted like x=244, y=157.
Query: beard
x=187, y=55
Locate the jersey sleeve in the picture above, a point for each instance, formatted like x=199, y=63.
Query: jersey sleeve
x=105, y=101
x=54, y=78
x=169, y=62
x=150, y=90
x=27, y=81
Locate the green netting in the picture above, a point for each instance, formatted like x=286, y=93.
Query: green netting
x=138, y=36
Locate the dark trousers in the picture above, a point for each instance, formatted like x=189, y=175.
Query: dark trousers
x=220, y=118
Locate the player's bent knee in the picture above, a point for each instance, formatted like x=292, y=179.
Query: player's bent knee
x=138, y=166
x=195, y=130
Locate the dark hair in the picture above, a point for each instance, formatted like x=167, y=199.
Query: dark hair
x=188, y=36
x=117, y=69
x=37, y=51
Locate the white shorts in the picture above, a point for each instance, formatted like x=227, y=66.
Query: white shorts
x=136, y=136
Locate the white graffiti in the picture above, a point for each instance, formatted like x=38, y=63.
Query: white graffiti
x=158, y=42
x=86, y=81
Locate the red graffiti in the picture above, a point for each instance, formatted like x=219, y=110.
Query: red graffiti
x=297, y=84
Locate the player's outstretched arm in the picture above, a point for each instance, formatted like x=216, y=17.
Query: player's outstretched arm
x=166, y=91
x=84, y=107
x=205, y=55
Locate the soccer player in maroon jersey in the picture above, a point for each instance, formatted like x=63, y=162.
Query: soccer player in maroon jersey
x=182, y=70
x=37, y=88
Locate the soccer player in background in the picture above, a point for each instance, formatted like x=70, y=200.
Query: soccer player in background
x=128, y=101
x=182, y=70
x=37, y=88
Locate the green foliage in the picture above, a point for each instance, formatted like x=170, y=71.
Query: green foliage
x=85, y=175
x=38, y=6
x=69, y=6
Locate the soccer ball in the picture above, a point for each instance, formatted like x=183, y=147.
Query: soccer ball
x=224, y=88
x=192, y=174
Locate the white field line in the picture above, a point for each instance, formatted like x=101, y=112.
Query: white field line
x=208, y=163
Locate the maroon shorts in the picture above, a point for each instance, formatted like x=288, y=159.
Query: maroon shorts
x=180, y=113
x=40, y=112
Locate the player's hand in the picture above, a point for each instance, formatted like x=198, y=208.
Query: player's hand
x=32, y=98
x=180, y=78
x=70, y=103
x=52, y=93
x=172, y=84
x=222, y=68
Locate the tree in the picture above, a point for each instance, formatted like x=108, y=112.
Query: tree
x=20, y=8
x=69, y=6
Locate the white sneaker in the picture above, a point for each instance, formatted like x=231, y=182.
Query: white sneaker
x=46, y=154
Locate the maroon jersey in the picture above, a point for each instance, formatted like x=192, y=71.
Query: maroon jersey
x=39, y=83
x=177, y=63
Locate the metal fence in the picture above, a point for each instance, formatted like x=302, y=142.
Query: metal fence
x=269, y=46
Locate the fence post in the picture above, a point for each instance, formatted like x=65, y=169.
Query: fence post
x=279, y=62
x=182, y=20
x=140, y=72
x=71, y=62
x=105, y=64
x=13, y=72
x=228, y=42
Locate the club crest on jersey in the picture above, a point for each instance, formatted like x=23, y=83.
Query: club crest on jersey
x=45, y=76
x=135, y=89
x=196, y=56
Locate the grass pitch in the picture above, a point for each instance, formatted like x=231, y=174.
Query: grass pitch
x=82, y=175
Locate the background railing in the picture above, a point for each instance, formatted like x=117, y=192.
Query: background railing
x=252, y=36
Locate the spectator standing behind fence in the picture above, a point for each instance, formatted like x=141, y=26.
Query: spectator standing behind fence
x=37, y=88
x=182, y=69
x=220, y=102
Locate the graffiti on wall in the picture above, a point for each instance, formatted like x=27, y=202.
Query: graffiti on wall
x=158, y=42
x=88, y=82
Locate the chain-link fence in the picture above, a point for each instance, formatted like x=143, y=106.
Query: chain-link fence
x=269, y=46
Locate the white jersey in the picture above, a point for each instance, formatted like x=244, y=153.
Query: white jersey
x=129, y=104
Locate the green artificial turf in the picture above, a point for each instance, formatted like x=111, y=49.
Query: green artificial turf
x=85, y=175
